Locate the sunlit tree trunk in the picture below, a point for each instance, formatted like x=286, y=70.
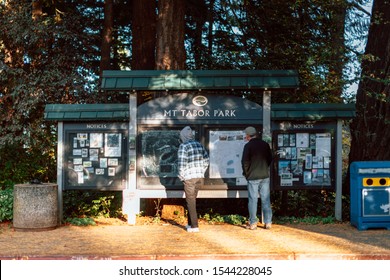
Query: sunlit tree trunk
x=170, y=52
x=36, y=9
x=144, y=40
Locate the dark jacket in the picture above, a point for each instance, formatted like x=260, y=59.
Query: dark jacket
x=256, y=159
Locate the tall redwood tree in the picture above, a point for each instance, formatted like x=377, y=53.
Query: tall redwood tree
x=370, y=129
x=170, y=52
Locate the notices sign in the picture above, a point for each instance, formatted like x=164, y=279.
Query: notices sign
x=225, y=153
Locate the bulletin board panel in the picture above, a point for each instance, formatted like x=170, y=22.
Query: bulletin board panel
x=157, y=162
x=95, y=156
x=157, y=157
x=304, y=159
x=226, y=144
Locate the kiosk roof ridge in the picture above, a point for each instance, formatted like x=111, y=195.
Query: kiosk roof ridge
x=163, y=80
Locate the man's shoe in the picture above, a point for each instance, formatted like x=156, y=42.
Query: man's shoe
x=251, y=226
x=267, y=226
x=191, y=229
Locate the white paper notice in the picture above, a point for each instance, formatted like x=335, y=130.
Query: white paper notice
x=225, y=154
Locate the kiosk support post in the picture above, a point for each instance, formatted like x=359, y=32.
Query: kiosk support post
x=266, y=122
x=131, y=200
x=339, y=170
x=267, y=116
x=60, y=167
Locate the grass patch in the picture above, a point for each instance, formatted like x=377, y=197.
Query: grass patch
x=81, y=221
x=305, y=220
x=233, y=219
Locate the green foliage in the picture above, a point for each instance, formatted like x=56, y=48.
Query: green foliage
x=6, y=204
x=216, y=218
x=235, y=219
x=42, y=60
x=302, y=203
x=20, y=164
x=312, y=220
x=92, y=204
x=81, y=221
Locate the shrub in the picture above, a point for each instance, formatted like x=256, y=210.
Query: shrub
x=32, y=163
x=92, y=204
x=233, y=219
x=81, y=221
x=6, y=204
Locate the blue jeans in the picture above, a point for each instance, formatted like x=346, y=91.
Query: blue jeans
x=254, y=188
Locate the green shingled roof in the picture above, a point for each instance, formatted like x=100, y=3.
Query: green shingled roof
x=199, y=79
x=312, y=111
x=86, y=112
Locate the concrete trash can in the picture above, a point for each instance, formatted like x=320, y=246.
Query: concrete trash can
x=35, y=207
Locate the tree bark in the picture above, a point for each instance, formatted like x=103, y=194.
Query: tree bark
x=335, y=76
x=210, y=35
x=170, y=52
x=144, y=35
x=105, y=62
x=36, y=9
x=370, y=130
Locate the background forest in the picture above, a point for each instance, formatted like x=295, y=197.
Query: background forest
x=55, y=52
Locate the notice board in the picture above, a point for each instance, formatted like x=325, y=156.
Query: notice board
x=158, y=162
x=226, y=148
x=95, y=156
x=304, y=156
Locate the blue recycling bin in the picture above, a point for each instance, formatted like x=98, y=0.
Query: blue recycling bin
x=370, y=194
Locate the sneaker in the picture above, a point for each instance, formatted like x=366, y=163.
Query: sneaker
x=187, y=226
x=251, y=226
x=267, y=226
x=190, y=229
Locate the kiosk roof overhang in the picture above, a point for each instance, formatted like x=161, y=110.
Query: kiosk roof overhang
x=173, y=80
x=312, y=111
x=86, y=112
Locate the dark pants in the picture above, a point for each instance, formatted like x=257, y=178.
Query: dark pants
x=191, y=188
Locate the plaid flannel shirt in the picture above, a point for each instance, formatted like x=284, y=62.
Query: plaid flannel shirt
x=193, y=160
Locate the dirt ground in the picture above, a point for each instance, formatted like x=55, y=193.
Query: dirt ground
x=167, y=239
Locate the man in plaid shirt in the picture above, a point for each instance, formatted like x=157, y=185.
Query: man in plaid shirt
x=193, y=161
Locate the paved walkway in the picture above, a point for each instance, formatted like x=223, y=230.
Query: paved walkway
x=221, y=242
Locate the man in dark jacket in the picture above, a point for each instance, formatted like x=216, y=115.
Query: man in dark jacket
x=256, y=159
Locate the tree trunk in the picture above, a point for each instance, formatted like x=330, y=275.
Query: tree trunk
x=36, y=9
x=170, y=52
x=105, y=62
x=144, y=35
x=335, y=76
x=370, y=130
x=210, y=35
